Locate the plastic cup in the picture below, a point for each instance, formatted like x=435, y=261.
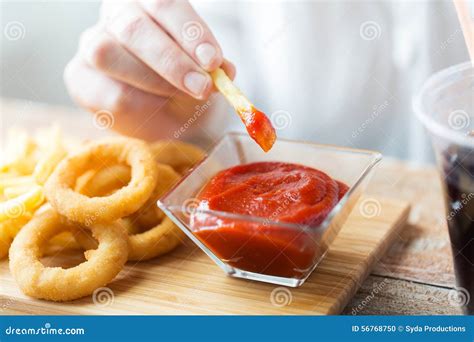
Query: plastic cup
x=445, y=105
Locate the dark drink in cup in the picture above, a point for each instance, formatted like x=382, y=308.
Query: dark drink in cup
x=457, y=164
x=445, y=105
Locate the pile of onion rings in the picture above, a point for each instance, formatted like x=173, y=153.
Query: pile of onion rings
x=99, y=198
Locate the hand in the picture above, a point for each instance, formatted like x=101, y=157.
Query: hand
x=147, y=63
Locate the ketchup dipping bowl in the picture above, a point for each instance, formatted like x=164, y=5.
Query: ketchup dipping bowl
x=260, y=247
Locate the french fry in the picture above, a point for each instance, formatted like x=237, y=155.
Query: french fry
x=8, y=175
x=22, y=204
x=54, y=153
x=233, y=94
x=258, y=126
x=15, y=191
x=8, y=230
x=16, y=182
x=5, y=240
x=19, y=153
x=26, y=163
x=13, y=226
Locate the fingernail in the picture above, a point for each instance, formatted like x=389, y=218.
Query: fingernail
x=205, y=53
x=195, y=82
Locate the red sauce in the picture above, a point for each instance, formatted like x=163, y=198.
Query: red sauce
x=276, y=192
x=259, y=128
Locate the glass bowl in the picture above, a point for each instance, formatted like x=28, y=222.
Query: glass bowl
x=295, y=248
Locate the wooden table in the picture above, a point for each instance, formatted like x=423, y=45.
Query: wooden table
x=416, y=274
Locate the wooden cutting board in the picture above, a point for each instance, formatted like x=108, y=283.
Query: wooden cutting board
x=186, y=281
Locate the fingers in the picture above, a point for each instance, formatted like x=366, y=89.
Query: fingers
x=182, y=23
x=135, y=112
x=141, y=36
x=101, y=51
x=229, y=69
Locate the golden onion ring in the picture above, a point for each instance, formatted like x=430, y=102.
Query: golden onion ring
x=125, y=201
x=56, y=283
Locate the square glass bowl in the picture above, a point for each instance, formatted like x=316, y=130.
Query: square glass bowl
x=281, y=253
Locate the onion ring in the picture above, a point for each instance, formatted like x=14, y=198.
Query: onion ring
x=108, y=180
x=162, y=237
x=149, y=215
x=56, y=283
x=150, y=244
x=125, y=201
x=10, y=228
x=179, y=155
x=157, y=241
x=104, y=182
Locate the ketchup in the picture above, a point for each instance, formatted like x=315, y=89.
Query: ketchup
x=259, y=127
x=275, y=192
